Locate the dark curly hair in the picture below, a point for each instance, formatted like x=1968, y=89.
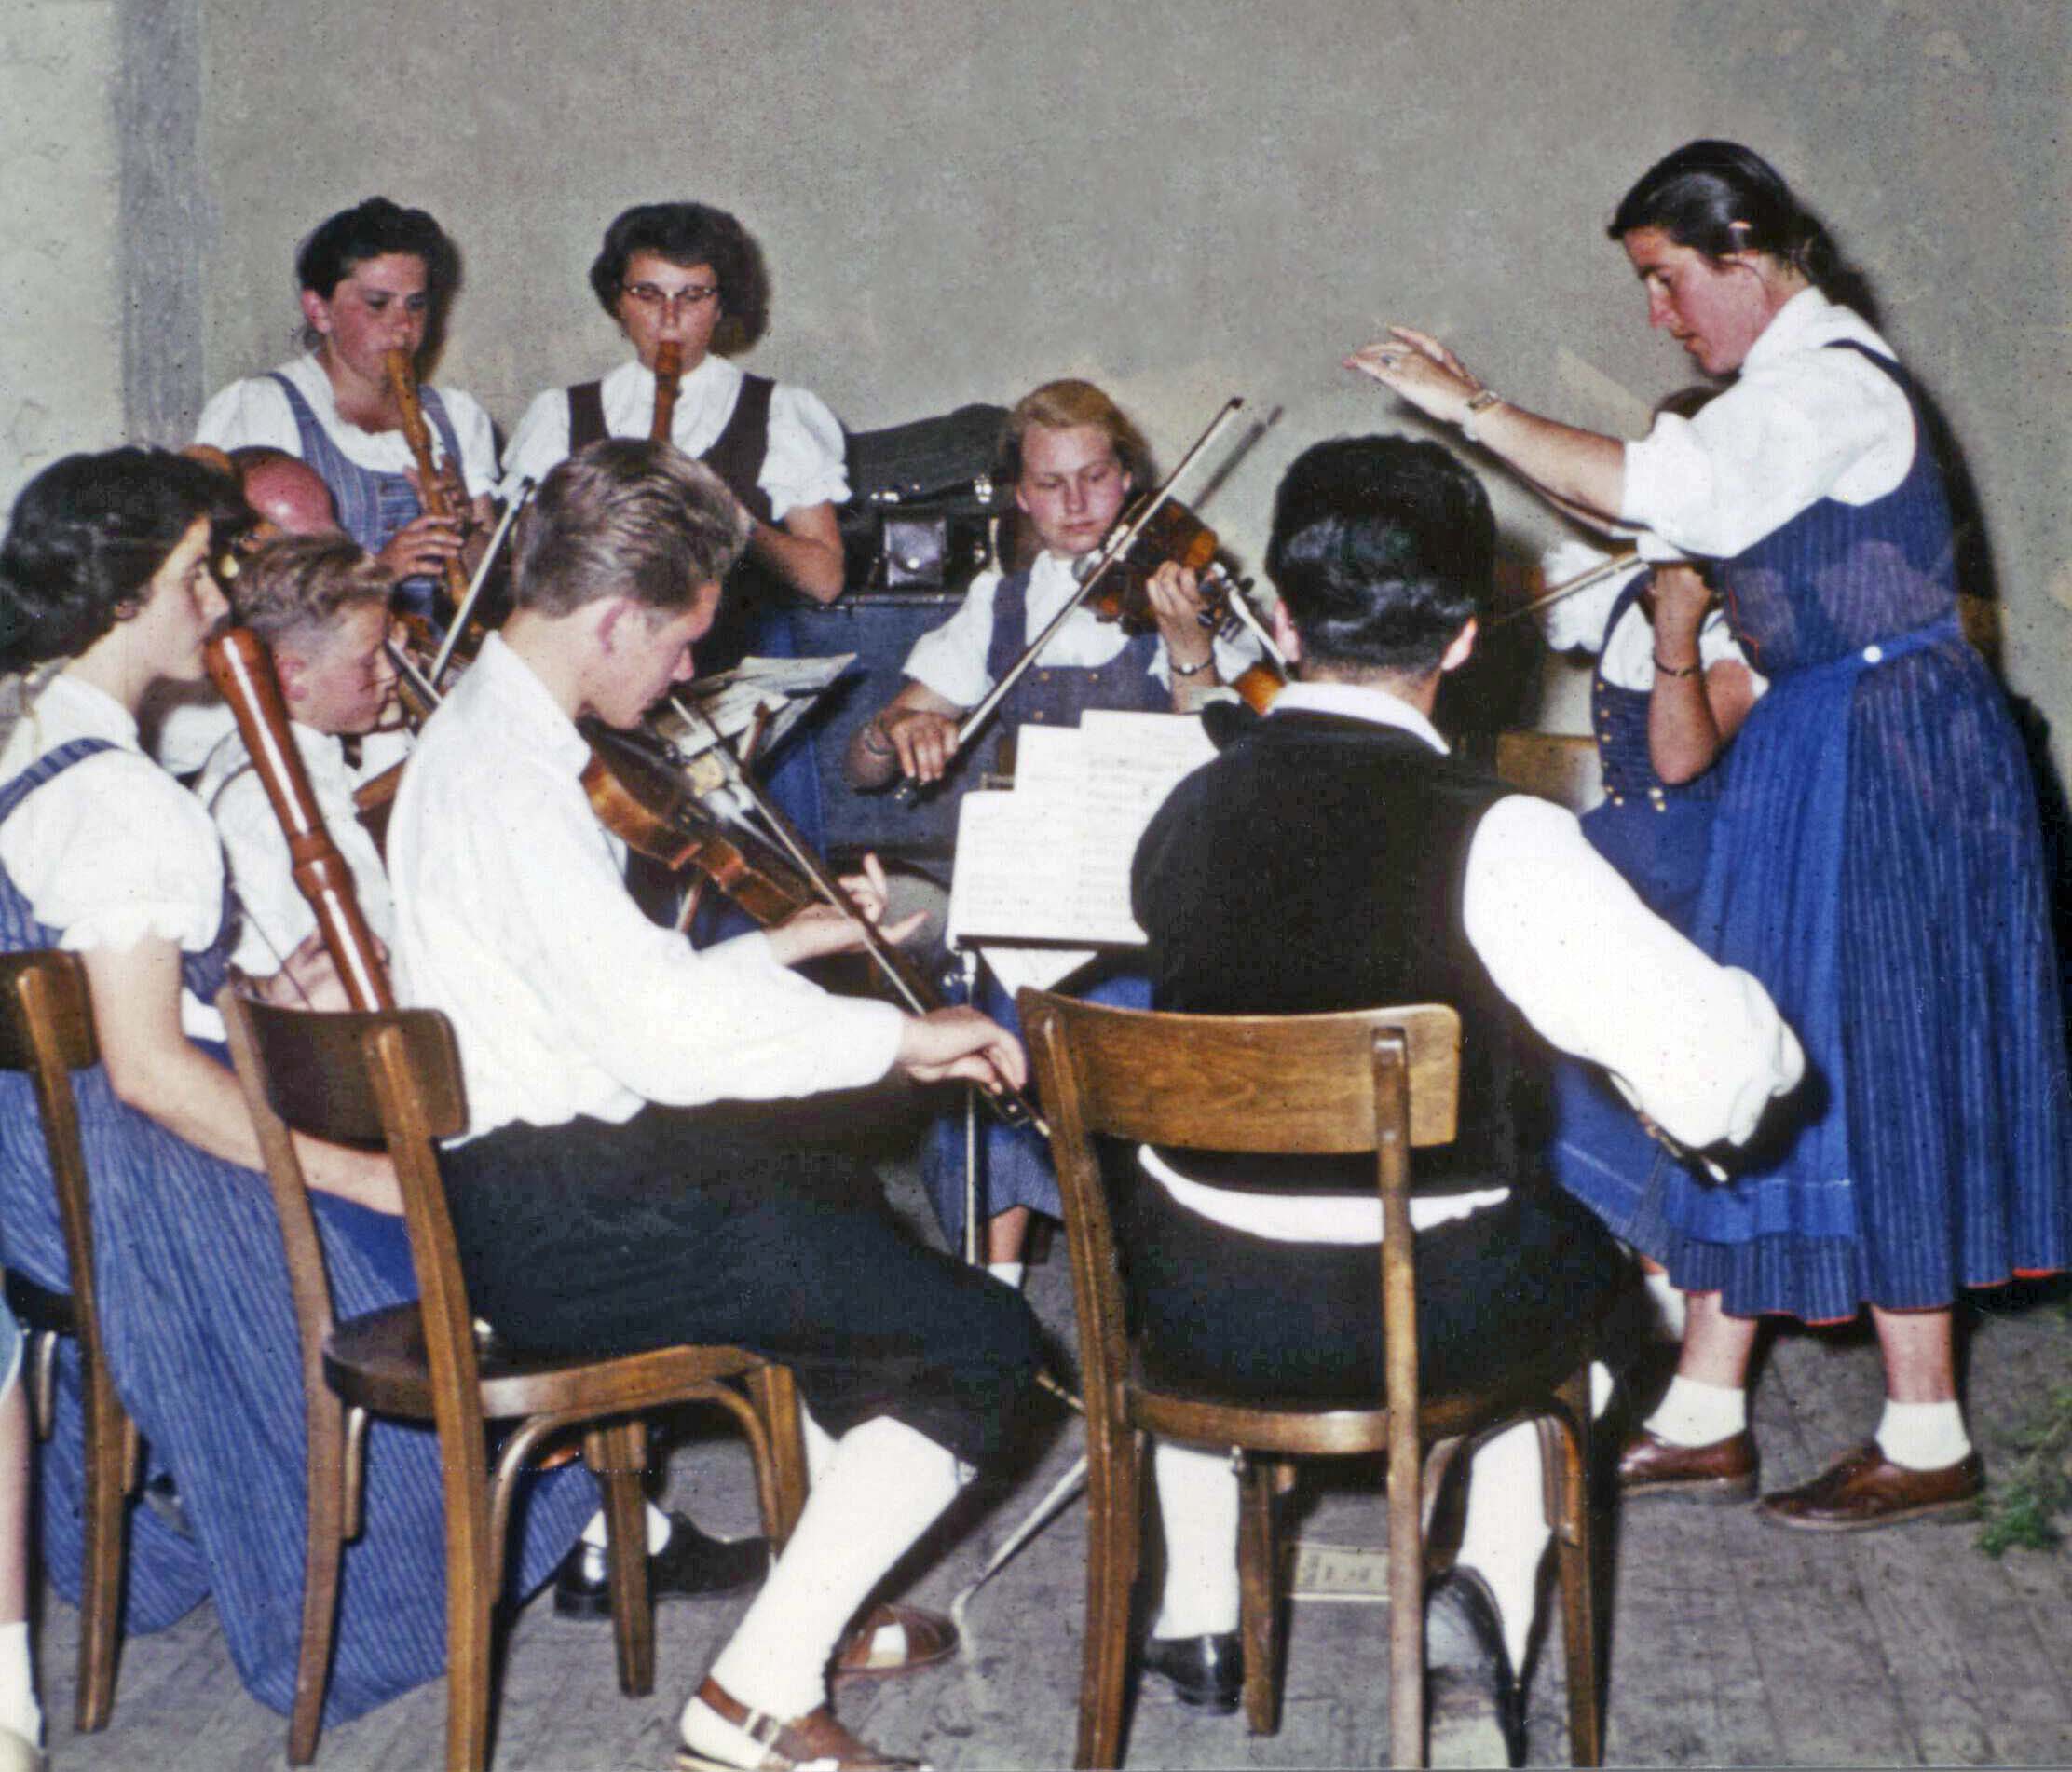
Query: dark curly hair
x=689, y=234
x=1382, y=549
x=373, y=229
x=85, y=539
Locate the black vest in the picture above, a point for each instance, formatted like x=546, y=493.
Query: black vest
x=1317, y=865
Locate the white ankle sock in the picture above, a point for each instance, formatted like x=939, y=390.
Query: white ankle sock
x=658, y=1530
x=1009, y=1272
x=1197, y=1503
x=1669, y=1308
x=19, y=1708
x=1695, y=1413
x=1505, y=1534
x=1923, y=1436
x=883, y=1487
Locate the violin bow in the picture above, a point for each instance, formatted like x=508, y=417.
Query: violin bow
x=1569, y=587
x=1112, y=550
x=1011, y=1103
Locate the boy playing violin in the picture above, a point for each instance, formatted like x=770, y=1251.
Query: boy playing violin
x=595, y=1208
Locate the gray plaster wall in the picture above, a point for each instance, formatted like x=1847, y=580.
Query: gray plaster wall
x=61, y=346
x=1184, y=198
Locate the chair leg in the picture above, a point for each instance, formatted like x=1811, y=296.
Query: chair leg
x=323, y=1552
x=1259, y=1592
x=1406, y=1600
x=782, y=1489
x=106, y=1447
x=613, y=1452
x=470, y=1612
x=1575, y=1553
x=1114, y=1528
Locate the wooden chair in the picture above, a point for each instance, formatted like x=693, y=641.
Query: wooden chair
x=1384, y=1081
x=1562, y=766
x=46, y=1031
x=394, y=1079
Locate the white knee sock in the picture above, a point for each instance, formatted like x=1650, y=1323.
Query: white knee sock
x=19, y=1708
x=1695, y=1413
x=1504, y=1535
x=1923, y=1436
x=1197, y=1504
x=882, y=1489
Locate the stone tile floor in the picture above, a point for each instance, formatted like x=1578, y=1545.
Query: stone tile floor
x=1730, y=1643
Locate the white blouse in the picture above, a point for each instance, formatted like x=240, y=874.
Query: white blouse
x=255, y=412
x=951, y=659
x=1802, y=422
x=806, y=463
x=113, y=850
x=512, y=918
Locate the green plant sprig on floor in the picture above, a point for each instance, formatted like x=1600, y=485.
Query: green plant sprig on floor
x=2021, y=1510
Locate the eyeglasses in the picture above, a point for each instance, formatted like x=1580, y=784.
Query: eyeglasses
x=664, y=300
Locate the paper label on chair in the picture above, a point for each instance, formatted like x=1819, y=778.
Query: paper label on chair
x=1340, y=1572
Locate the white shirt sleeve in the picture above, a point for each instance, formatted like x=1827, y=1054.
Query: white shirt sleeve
x=951, y=660
x=1701, y=1047
x=806, y=462
x=666, y=1021
x=539, y=442
x=115, y=850
x=1815, y=424
x=276, y=915
x=249, y=414
x=478, y=442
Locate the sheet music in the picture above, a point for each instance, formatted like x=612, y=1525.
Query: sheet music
x=730, y=699
x=1049, y=860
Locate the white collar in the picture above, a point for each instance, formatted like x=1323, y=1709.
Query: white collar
x=1807, y=323
x=500, y=676
x=713, y=375
x=88, y=706
x=1359, y=702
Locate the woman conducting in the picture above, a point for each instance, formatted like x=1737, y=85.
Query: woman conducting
x=1875, y=860
x=107, y=594
x=687, y=275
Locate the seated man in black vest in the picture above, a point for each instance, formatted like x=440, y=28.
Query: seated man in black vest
x=1395, y=874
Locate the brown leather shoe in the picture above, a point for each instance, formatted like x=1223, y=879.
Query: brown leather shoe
x=1863, y=1490
x=891, y=1639
x=1723, y=1470
x=814, y=1739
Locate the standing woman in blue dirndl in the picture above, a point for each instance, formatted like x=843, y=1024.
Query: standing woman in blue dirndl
x=107, y=595
x=1875, y=857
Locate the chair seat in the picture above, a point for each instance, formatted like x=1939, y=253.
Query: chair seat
x=1338, y=1429
x=378, y=1362
x=39, y=1308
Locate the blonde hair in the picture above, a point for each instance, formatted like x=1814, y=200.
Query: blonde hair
x=1062, y=405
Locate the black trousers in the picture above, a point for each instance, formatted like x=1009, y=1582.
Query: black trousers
x=591, y=1239
x=1249, y=1317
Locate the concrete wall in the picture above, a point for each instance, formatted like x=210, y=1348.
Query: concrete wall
x=60, y=340
x=1183, y=197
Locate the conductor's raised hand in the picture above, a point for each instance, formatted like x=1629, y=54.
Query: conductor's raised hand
x=1422, y=370
x=959, y=1044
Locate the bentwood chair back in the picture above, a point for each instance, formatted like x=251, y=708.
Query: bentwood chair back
x=46, y=1031
x=394, y=1080
x=1380, y=1081
x=1562, y=766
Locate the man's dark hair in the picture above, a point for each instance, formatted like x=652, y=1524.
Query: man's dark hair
x=374, y=229
x=626, y=518
x=1382, y=549
x=688, y=233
